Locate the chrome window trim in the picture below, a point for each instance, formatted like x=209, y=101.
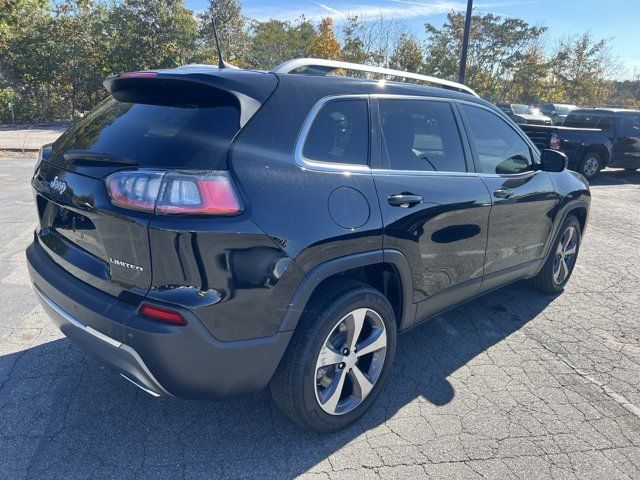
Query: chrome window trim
x=503, y=116
x=316, y=165
x=351, y=168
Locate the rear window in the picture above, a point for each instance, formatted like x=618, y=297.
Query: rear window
x=581, y=120
x=176, y=136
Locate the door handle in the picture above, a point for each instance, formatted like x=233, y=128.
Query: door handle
x=503, y=193
x=404, y=200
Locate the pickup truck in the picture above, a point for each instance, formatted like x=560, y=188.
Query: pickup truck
x=593, y=139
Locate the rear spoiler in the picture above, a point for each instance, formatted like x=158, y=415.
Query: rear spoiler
x=250, y=89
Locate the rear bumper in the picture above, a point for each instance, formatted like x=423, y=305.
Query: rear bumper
x=183, y=361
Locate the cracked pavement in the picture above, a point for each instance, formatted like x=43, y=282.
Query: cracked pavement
x=516, y=384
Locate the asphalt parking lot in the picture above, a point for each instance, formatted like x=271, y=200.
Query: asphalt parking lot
x=513, y=385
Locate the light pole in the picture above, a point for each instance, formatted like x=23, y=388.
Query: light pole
x=465, y=41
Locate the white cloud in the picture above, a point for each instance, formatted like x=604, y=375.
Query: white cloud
x=390, y=8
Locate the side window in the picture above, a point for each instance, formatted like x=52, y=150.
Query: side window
x=629, y=126
x=500, y=149
x=605, y=123
x=340, y=133
x=421, y=135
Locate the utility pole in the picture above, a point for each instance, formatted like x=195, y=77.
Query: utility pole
x=465, y=42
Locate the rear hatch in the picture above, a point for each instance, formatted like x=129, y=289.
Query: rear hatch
x=156, y=126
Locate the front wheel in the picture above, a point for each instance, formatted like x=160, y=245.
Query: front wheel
x=590, y=165
x=558, y=267
x=339, y=357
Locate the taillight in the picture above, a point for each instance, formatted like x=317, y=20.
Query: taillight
x=136, y=190
x=554, y=142
x=166, y=315
x=177, y=192
x=43, y=154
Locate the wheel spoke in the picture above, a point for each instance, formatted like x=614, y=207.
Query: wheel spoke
x=354, y=324
x=570, y=251
x=334, y=391
x=361, y=384
x=565, y=269
x=569, y=235
x=328, y=356
x=374, y=342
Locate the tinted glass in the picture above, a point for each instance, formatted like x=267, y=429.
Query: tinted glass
x=155, y=135
x=581, y=120
x=630, y=126
x=605, y=123
x=421, y=135
x=500, y=149
x=340, y=133
x=525, y=109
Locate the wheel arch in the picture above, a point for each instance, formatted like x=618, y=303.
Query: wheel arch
x=579, y=208
x=385, y=270
x=603, y=149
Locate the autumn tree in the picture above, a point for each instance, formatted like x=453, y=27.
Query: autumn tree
x=496, y=46
x=581, y=66
x=324, y=44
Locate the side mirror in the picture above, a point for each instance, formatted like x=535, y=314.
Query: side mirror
x=553, y=161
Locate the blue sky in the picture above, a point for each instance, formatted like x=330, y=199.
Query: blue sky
x=615, y=19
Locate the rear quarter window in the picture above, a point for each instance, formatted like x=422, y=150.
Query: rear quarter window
x=339, y=133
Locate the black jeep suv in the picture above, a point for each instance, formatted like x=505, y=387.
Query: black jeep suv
x=209, y=232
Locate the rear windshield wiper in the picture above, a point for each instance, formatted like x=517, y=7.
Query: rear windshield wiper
x=88, y=156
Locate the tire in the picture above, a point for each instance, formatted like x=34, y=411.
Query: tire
x=549, y=279
x=300, y=385
x=590, y=165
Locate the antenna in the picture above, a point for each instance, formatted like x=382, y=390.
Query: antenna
x=221, y=63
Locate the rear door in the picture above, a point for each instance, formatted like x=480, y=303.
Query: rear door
x=626, y=148
x=82, y=228
x=523, y=197
x=435, y=209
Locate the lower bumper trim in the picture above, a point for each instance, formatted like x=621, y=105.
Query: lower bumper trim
x=114, y=353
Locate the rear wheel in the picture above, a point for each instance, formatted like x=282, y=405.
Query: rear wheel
x=590, y=165
x=339, y=357
x=562, y=258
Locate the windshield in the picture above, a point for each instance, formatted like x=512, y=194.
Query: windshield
x=525, y=109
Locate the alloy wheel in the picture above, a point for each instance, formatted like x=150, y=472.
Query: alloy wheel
x=350, y=361
x=565, y=255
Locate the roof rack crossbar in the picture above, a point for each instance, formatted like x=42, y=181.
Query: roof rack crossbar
x=320, y=66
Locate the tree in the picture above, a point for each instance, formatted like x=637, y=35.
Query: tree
x=231, y=29
x=275, y=41
x=581, y=67
x=324, y=43
x=407, y=55
x=151, y=34
x=497, y=45
x=370, y=42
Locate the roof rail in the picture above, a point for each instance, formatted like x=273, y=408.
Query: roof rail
x=320, y=66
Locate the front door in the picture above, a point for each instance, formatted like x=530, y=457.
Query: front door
x=435, y=210
x=523, y=197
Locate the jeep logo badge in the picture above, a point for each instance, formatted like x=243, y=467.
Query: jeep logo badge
x=58, y=185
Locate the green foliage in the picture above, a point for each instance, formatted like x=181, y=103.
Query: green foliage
x=275, y=41
x=231, y=28
x=407, y=55
x=54, y=54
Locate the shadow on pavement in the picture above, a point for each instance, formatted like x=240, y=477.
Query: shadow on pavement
x=62, y=415
x=616, y=177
